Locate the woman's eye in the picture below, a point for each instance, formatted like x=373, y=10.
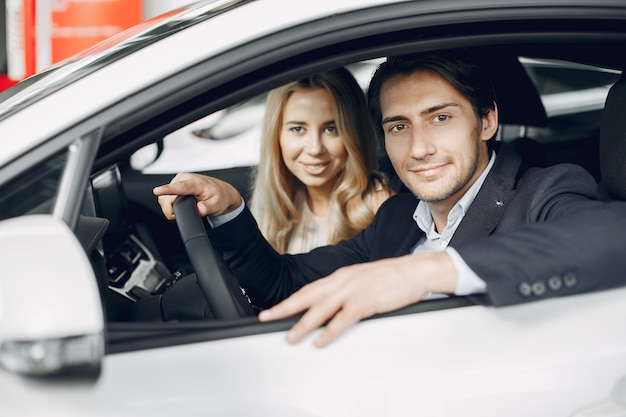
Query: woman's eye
x=331, y=130
x=297, y=129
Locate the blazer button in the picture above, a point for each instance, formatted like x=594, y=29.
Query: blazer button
x=525, y=289
x=555, y=283
x=539, y=288
x=570, y=279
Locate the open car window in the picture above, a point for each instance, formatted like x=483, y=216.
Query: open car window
x=230, y=138
x=35, y=191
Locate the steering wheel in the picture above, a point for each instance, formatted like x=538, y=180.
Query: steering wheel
x=219, y=286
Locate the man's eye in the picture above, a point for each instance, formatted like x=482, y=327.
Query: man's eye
x=441, y=118
x=397, y=128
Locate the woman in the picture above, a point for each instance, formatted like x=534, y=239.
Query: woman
x=315, y=183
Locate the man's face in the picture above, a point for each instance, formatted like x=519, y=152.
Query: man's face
x=434, y=139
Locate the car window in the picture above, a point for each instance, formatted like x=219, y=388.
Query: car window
x=225, y=139
x=553, y=77
x=228, y=138
x=34, y=191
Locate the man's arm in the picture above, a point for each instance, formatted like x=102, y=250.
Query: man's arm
x=574, y=254
x=353, y=292
x=269, y=277
x=358, y=291
x=570, y=255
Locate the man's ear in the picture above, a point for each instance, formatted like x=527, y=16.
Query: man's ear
x=490, y=123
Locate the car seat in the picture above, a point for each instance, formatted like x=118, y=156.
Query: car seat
x=613, y=142
x=519, y=106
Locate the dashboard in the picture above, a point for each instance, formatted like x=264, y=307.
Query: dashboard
x=129, y=268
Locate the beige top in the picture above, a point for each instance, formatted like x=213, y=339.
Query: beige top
x=312, y=232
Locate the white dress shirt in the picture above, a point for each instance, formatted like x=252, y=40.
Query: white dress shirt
x=468, y=282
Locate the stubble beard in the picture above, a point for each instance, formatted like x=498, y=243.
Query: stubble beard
x=448, y=188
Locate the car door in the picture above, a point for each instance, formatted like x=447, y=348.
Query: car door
x=446, y=362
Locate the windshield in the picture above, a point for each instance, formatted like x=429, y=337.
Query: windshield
x=57, y=76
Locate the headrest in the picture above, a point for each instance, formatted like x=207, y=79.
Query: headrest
x=518, y=99
x=613, y=141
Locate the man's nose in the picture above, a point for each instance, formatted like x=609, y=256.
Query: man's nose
x=421, y=144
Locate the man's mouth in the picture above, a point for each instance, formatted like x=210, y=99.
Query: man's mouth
x=428, y=171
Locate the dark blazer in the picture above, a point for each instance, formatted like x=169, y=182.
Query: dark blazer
x=529, y=234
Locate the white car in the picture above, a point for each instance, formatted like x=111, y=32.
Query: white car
x=83, y=241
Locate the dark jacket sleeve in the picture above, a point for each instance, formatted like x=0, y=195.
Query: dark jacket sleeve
x=269, y=277
x=557, y=239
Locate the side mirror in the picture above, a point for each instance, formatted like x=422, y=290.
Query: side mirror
x=51, y=317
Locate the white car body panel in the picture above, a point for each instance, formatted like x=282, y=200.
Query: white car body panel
x=489, y=366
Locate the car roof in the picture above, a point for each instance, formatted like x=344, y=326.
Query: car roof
x=108, y=51
x=148, y=60
x=117, y=47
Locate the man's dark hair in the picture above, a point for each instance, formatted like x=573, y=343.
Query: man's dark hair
x=459, y=67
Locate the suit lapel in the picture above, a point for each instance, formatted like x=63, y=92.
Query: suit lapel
x=397, y=231
x=497, y=191
x=411, y=237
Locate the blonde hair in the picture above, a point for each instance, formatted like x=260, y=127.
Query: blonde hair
x=276, y=190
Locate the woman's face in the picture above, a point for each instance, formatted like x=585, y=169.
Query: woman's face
x=311, y=146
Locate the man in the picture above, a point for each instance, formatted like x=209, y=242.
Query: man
x=474, y=222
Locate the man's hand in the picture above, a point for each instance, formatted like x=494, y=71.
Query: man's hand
x=359, y=291
x=214, y=197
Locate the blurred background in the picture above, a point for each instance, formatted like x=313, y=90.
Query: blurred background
x=35, y=34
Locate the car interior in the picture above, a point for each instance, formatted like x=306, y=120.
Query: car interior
x=612, y=146
x=139, y=257
x=140, y=265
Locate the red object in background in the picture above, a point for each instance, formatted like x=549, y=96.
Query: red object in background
x=30, y=38
x=77, y=26
x=41, y=33
x=6, y=82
